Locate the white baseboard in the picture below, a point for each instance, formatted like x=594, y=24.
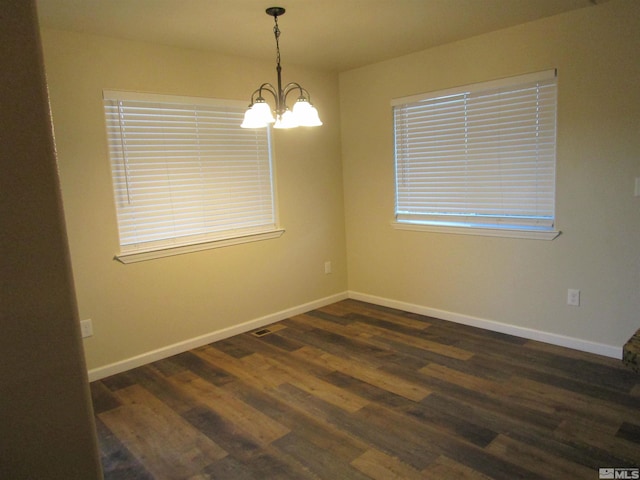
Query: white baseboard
x=180, y=347
x=531, y=334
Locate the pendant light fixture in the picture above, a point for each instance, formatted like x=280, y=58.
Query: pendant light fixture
x=259, y=114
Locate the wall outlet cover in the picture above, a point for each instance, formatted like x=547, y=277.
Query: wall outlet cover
x=86, y=327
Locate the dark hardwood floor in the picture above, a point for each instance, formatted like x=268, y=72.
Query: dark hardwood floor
x=357, y=391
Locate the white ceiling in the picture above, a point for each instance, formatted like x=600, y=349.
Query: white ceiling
x=326, y=34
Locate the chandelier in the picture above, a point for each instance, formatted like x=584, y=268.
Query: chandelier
x=259, y=114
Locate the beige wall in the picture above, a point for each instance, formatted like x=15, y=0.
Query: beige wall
x=521, y=283
x=46, y=420
x=141, y=307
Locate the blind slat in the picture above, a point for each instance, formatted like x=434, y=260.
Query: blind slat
x=186, y=172
x=478, y=157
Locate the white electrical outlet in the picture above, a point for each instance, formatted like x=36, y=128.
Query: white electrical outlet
x=573, y=297
x=86, y=327
x=327, y=267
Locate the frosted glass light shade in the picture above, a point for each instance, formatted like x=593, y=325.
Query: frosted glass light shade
x=286, y=120
x=263, y=111
x=258, y=115
x=306, y=114
x=251, y=120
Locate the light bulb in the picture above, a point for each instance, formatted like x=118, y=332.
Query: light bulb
x=286, y=120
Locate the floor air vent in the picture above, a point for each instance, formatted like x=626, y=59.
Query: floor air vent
x=261, y=333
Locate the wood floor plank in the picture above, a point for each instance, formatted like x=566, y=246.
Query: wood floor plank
x=272, y=351
x=352, y=309
x=231, y=467
x=439, y=442
x=233, y=346
x=296, y=415
x=380, y=466
x=515, y=395
x=538, y=460
x=445, y=467
x=575, y=450
x=236, y=367
x=321, y=462
x=358, y=391
x=118, y=463
x=224, y=433
x=365, y=373
x=600, y=441
x=247, y=419
x=359, y=328
x=587, y=357
x=271, y=463
x=629, y=431
x=459, y=378
x=103, y=399
x=335, y=340
x=454, y=425
x=315, y=386
x=603, y=392
x=364, y=425
x=339, y=342
x=153, y=381
x=366, y=390
x=209, y=372
x=167, y=445
x=484, y=412
x=572, y=403
x=564, y=368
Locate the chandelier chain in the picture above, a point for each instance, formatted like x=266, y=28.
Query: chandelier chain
x=276, y=33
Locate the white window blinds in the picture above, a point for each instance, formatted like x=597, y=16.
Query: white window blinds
x=185, y=173
x=481, y=155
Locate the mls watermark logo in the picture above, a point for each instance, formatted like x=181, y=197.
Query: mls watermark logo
x=625, y=473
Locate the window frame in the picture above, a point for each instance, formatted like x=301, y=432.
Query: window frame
x=181, y=244
x=474, y=223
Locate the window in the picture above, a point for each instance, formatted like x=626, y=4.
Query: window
x=479, y=159
x=185, y=175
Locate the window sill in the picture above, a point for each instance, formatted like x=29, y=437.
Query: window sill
x=529, y=234
x=141, y=256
